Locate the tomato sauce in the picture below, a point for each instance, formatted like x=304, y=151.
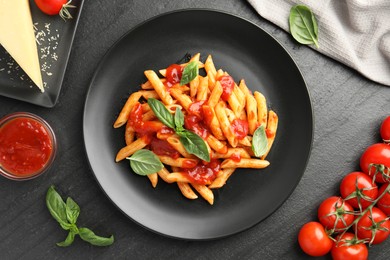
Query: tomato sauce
x=269, y=133
x=196, y=108
x=240, y=128
x=195, y=124
x=25, y=146
x=173, y=74
x=227, y=83
x=236, y=157
x=143, y=128
x=162, y=147
x=203, y=173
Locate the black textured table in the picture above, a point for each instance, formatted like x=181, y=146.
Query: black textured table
x=348, y=109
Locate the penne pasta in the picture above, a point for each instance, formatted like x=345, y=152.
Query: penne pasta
x=184, y=100
x=272, y=126
x=202, y=88
x=186, y=190
x=164, y=173
x=251, y=112
x=153, y=178
x=245, y=163
x=223, y=114
x=174, y=141
x=129, y=134
x=178, y=177
x=225, y=124
x=261, y=108
x=222, y=178
x=215, y=95
x=237, y=152
x=205, y=192
x=179, y=162
x=159, y=87
x=130, y=149
x=125, y=112
x=216, y=145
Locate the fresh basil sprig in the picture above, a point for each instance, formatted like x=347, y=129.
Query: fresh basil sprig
x=303, y=25
x=190, y=72
x=259, y=142
x=145, y=162
x=66, y=215
x=192, y=142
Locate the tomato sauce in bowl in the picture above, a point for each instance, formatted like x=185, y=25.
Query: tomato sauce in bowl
x=27, y=146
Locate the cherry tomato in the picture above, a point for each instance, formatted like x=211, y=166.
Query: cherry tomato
x=384, y=202
x=51, y=7
x=357, y=186
x=379, y=155
x=335, y=213
x=374, y=223
x=313, y=239
x=349, y=248
x=385, y=130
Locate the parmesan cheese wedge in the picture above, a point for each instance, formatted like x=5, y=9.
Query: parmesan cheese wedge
x=18, y=38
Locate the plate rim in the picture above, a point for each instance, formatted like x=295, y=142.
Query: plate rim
x=139, y=25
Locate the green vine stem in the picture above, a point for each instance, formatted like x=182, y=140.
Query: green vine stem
x=64, y=12
x=362, y=213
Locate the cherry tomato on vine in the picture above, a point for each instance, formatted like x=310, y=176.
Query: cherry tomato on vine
x=374, y=223
x=349, y=248
x=54, y=7
x=384, y=202
x=335, y=213
x=313, y=239
x=357, y=187
x=378, y=156
x=385, y=130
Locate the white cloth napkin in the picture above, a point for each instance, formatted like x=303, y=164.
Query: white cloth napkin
x=354, y=32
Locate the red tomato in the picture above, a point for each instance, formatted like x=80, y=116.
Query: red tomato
x=374, y=223
x=335, y=213
x=348, y=248
x=385, y=130
x=357, y=185
x=384, y=202
x=375, y=162
x=51, y=7
x=313, y=239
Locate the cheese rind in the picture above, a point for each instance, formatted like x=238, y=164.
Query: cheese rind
x=18, y=38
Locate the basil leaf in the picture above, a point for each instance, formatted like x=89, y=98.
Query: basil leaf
x=145, y=162
x=189, y=73
x=161, y=112
x=87, y=235
x=303, y=25
x=57, y=207
x=194, y=144
x=259, y=142
x=179, y=120
x=72, y=210
x=68, y=241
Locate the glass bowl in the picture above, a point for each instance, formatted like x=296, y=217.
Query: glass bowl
x=23, y=137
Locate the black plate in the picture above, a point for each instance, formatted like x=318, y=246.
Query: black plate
x=55, y=42
x=245, y=51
